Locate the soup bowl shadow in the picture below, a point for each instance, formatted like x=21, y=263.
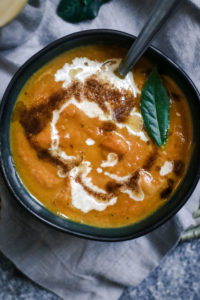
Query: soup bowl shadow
x=19, y=191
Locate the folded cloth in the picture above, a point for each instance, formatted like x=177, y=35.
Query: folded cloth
x=71, y=267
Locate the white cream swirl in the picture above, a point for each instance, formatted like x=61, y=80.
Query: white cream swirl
x=79, y=70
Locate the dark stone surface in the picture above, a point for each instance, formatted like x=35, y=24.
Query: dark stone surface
x=15, y=286
x=177, y=277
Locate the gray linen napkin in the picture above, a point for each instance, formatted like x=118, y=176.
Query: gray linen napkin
x=74, y=268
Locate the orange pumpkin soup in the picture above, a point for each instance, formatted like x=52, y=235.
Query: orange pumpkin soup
x=80, y=146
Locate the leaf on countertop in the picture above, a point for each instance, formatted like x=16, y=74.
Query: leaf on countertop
x=155, y=108
x=75, y=11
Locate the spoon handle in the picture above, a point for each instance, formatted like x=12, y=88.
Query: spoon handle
x=157, y=18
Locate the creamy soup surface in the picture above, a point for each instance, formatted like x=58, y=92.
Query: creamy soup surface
x=79, y=142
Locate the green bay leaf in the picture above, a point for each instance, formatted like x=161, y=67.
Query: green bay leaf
x=155, y=108
x=75, y=11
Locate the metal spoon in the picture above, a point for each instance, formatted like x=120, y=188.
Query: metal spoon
x=159, y=16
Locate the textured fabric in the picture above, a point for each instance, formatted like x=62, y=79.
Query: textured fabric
x=74, y=268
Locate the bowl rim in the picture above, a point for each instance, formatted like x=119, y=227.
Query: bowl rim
x=71, y=231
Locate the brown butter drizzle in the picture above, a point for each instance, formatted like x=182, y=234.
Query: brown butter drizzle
x=35, y=119
x=178, y=167
x=121, y=102
x=99, y=196
x=173, y=96
x=108, y=126
x=133, y=182
x=44, y=154
x=113, y=187
x=167, y=191
x=150, y=161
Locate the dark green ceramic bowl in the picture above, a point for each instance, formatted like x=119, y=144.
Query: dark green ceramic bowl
x=166, y=66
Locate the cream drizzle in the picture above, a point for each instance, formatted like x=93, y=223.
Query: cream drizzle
x=81, y=69
x=80, y=198
x=90, y=142
x=112, y=160
x=166, y=168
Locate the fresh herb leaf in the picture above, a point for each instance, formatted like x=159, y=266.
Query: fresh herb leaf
x=155, y=108
x=75, y=11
